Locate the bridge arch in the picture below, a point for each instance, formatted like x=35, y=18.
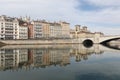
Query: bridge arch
x=88, y=43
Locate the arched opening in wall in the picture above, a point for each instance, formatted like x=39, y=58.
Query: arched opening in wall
x=88, y=43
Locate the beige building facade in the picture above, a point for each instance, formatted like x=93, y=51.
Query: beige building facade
x=55, y=30
x=37, y=29
x=46, y=29
x=43, y=29
x=65, y=29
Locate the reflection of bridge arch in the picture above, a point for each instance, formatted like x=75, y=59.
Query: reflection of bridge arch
x=107, y=48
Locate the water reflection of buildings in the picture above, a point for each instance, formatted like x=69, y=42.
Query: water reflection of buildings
x=47, y=57
x=42, y=57
x=82, y=53
x=19, y=58
x=10, y=59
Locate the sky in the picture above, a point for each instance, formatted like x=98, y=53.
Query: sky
x=97, y=15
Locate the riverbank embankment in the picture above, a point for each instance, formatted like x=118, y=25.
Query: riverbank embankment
x=39, y=42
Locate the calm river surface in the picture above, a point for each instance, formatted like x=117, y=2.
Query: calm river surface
x=59, y=62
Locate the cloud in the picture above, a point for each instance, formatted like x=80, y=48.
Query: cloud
x=109, y=15
x=51, y=9
x=67, y=10
x=104, y=2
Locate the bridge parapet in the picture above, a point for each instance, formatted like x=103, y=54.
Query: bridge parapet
x=108, y=38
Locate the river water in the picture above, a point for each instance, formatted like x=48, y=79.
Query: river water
x=59, y=62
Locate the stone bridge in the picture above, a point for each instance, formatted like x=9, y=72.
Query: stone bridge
x=98, y=39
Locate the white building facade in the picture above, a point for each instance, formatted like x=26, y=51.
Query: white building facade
x=9, y=28
x=23, y=32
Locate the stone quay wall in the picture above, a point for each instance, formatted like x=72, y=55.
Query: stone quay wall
x=38, y=42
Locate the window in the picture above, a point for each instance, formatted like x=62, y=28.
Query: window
x=1, y=31
x=2, y=28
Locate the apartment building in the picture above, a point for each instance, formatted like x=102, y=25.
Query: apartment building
x=9, y=28
x=23, y=30
x=41, y=29
x=65, y=29
x=55, y=30
x=46, y=29
x=37, y=29
x=30, y=31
